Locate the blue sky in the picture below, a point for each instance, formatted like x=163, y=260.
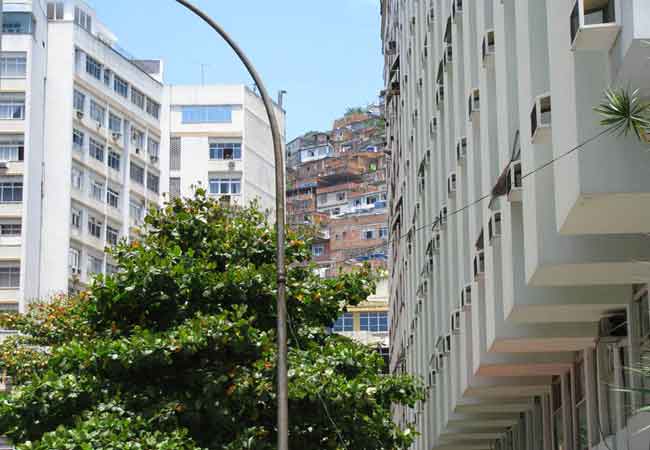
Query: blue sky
x=325, y=53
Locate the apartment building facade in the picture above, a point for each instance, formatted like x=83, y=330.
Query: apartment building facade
x=91, y=139
x=219, y=138
x=518, y=229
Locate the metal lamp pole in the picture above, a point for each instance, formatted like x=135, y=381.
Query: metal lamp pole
x=283, y=396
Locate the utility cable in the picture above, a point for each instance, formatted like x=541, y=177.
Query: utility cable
x=436, y=222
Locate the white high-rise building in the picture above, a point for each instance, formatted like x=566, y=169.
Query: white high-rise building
x=84, y=146
x=521, y=313
x=219, y=139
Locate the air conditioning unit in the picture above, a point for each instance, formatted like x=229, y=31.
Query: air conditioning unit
x=451, y=184
x=494, y=226
x=447, y=344
x=466, y=297
x=443, y=216
x=391, y=49
x=595, y=24
x=456, y=7
x=154, y=159
x=461, y=150
x=474, y=103
x=99, y=125
x=4, y=165
x=137, y=150
x=515, y=182
x=614, y=325
x=436, y=243
x=225, y=199
x=479, y=265
x=441, y=362
x=231, y=165
x=440, y=345
x=540, y=120
x=117, y=136
x=488, y=48
x=431, y=16
x=80, y=114
x=440, y=96
x=421, y=185
x=448, y=54
x=433, y=125
x=455, y=322
x=75, y=270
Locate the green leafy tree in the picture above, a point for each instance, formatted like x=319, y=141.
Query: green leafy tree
x=177, y=350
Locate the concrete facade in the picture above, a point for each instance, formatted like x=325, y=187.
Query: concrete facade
x=85, y=135
x=519, y=312
x=204, y=144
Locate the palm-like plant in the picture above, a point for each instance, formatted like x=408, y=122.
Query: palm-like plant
x=624, y=112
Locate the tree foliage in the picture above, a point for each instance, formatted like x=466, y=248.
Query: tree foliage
x=176, y=351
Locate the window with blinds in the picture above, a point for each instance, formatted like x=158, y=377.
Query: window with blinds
x=175, y=153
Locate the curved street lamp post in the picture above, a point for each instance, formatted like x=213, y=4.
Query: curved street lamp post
x=283, y=397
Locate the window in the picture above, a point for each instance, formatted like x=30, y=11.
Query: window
x=581, y=406
x=225, y=151
x=96, y=149
x=10, y=277
x=207, y=114
x=121, y=86
x=225, y=186
x=137, y=173
x=12, y=148
x=11, y=192
x=368, y=235
x=17, y=22
x=374, y=321
x=13, y=229
x=55, y=10
x=113, y=198
x=557, y=416
x=112, y=235
x=97, y=190
x=372, y=200
x=114, y=123
x=83, y=19
x=137, y=98
x=318, y=250
x=114, y=160
x=344, y=323
x=107, y=78
x=153, y=147
x=93, y=67
x=383, y=233
x=13, y=65
x=153, y=182
x=136, y=210
x=97, y=112
x=137, y=138
x=79, y=101
x=95, y=265
x=174, y=188
x=111, y=269
x=76, y=218
x=153, y=108
x=78, y=139
x=74, y=260
x=175, y=153
x=77, y=178
x=95, y=227
x=12, y=105
x=340, y=196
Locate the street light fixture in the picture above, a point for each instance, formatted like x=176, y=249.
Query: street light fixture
x=283, y=396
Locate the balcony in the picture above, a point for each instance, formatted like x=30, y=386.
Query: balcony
x=540, y=120
x=594, y=25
